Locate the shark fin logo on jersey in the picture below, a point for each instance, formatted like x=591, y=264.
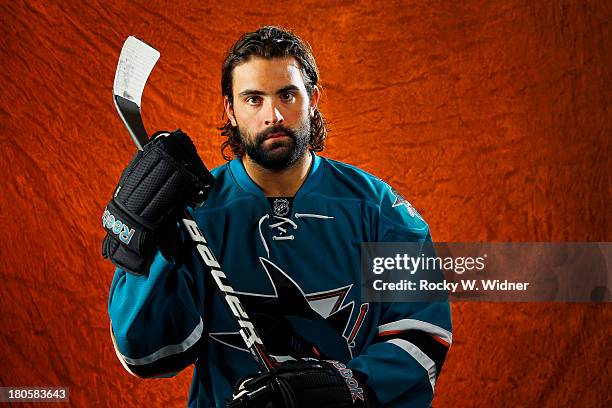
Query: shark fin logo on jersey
x=319, y=318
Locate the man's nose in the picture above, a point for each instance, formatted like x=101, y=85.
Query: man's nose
x=273, y=115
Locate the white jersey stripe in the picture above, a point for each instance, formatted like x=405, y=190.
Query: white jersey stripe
x=413, y=324
x=119, y=355
x=170, y=349
x=427, y=363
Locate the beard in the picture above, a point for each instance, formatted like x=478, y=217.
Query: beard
x=278, y=154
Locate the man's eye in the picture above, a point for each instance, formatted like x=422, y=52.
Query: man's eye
x=253, y=100
x=287, y=96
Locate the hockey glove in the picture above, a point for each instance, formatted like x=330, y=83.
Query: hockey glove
x=305, y=383
x=142, y=216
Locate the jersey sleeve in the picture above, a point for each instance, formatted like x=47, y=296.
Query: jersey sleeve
x=156, y=319
x=406, y=356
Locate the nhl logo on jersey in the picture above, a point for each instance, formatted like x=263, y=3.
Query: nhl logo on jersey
x=281, y=207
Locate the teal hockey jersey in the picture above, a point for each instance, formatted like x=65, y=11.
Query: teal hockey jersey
x=293, y=258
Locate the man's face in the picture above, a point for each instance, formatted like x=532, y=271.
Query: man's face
x=272, y=111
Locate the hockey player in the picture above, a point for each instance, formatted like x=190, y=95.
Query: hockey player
x=286, y=226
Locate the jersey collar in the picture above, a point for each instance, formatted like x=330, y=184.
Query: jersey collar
x=246, y=183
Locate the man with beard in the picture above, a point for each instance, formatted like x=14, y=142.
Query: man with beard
x=286, y=226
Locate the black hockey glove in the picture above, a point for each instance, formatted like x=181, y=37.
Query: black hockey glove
x=142, y=216
x=305, y=383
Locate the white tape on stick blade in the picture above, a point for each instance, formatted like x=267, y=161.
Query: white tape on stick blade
x=136, y=62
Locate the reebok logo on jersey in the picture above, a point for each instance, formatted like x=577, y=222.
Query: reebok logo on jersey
x=353, y=385
x=117, y=227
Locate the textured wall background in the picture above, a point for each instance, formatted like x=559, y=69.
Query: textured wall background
x=494, y=119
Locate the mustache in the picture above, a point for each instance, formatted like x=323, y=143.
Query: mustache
x=274, y=129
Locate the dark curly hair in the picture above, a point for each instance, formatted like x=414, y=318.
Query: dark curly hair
x=270, y=42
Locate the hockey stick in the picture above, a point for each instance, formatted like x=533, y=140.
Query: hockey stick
x=136, y=62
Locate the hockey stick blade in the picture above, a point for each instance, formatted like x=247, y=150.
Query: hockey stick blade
x=136, y=62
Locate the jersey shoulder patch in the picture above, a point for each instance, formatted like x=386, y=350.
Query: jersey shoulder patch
x=395, y=209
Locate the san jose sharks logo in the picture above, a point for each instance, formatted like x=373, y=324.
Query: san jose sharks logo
x=293, y=323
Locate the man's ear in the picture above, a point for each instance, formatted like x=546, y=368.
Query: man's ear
x=314, y=100
x=229, y=110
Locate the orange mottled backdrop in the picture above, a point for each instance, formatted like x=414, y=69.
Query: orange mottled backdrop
x=493, y=118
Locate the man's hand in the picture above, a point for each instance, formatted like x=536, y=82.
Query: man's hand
x=305, y=383
x=159, y=181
